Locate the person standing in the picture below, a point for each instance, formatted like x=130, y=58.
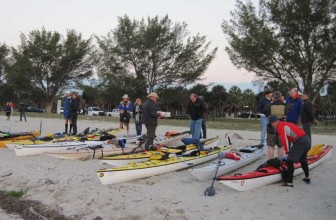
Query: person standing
x=204, y=118
x=73, y=113
x=8, y=111
x=137, y=114
x=301, y=143
x=66, y=111
x=150, y=118
x=12, y=106
x=22, y=110
x=263, y=102
x=307, y=115
x=279, y=109
x=196, y=109
x=295, y=104
x=125, y=107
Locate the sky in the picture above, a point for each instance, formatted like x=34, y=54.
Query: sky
x=98, y=17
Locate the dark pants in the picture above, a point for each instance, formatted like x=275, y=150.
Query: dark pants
x=138, y=128
x=23, y=114
x=73, y=119
x=204, y=129
x=306, y=127
x=150, y=135
x=298, y=153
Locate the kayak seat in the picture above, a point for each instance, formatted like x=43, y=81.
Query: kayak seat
x=246, y=150
x=192, y=153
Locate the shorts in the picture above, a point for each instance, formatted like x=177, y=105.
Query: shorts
x=66, y=115
x=272, y=140
x=298, y=151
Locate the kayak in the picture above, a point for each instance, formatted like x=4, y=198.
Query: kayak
x=38, y=149
x=269, y=175
x=6, y=136
x=85, y=153
x=244, y=157
x=58, y=137
x=123, y=160
x=149, y=168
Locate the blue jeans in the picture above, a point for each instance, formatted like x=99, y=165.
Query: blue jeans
x=263, y=128
x=138, y=128
x=195, y=128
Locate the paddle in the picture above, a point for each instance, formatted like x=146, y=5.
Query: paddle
x=210, y=191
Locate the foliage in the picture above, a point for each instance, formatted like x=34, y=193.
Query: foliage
x=155, y=51
x=291, y=41
x=15, y=193
x=45, y=62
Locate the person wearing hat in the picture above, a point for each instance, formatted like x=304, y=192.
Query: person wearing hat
x=263, y=102
x=150, y=117
x=279, y=109
x=66, y=110
x=307, y=115
x=73, y=113
x=295, y=103
x=126, y=108
x=301, y=143
x=196, y=110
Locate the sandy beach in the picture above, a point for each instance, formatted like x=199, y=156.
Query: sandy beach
x=73, y=188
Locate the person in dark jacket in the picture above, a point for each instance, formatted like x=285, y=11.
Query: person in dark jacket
x=307, y=115
x=8, y=111
x=137, y=114
x=66, y=110
x=279, y=109
x=265, y=100
x=22, y=110
x=196, y=110
x=150, y=118
x=126, y=108
x=74, y=108
x=295, y=103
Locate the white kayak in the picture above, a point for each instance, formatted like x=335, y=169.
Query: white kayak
x=39, y=149
x=84, y=153
x=136, y=158
x=155, y=167
x=246, y=156
x=269, y=175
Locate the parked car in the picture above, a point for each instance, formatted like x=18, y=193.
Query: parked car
x=166, y=114
x=95, y=111
x=60, y=111
x=116, y=113
x=34, y=109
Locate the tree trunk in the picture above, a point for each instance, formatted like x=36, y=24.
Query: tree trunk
x=48, y=106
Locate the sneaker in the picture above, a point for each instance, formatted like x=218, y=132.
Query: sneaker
x=306, y=180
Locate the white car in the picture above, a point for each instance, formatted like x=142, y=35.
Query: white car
x=95, y=111
x=114, y=113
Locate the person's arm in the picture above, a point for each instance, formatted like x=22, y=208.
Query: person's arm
x=299, y=109
x=267, y=110
x=283, y=137
x=153, y=111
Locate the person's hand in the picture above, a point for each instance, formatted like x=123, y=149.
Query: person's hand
x=161, y=114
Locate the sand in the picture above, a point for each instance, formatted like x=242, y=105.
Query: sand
x=73, y=188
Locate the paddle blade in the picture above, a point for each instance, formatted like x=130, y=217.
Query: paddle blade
x=210, y=191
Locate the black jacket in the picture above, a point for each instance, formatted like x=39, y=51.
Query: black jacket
x=140, y=111
x=196, y=110
x=150, y=115
x=307, y=114
x=74, y=106
x=22, y=107
x=263, y=102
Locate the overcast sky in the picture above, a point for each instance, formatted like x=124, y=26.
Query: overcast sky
x=99, y=16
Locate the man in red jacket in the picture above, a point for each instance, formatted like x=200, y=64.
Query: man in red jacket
x=301, y=143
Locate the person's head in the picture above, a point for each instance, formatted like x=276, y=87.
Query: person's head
x=273, y=120
x=75, y=95
x=67, y=94
x=293, y=93
x=193, y=97
x=268, y=93
x=304, y=96
x=125, y=98
x=138, y=101
x=277, y=95
x=153, y=96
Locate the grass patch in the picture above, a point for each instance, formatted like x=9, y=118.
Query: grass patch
x=14, y=193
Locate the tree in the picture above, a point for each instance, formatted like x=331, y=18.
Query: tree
x=45, y=63
x=292, y=41
x=156, y=51
x=4, y=51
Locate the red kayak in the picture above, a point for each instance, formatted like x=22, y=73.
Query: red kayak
x=269, y=175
